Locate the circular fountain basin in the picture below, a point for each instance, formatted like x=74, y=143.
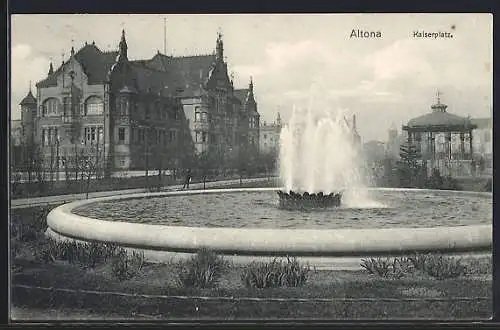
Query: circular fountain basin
x=268, y=238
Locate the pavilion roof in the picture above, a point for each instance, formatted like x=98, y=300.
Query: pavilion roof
x=440, y=120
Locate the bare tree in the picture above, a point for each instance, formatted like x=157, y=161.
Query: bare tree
x=89, y=166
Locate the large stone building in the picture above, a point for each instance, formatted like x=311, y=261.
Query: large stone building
x=139, y=114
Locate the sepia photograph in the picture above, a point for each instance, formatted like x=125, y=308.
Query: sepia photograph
x=233, y=167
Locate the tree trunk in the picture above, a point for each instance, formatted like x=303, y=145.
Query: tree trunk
x=88, y=184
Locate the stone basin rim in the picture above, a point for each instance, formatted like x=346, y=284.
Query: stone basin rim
x=259, y=240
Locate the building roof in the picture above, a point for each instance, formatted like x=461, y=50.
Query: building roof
x=148, y=80
x=241, y=94
x=438, y=119
x=183, y=76
x=28, y=99
x=94, y=62
x=186, y=73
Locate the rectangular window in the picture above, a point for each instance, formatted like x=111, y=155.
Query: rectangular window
x=56, y=135
x=121, y=134
x=92, y=134
x=204, y=137
x=141, y=135
x=172, y=136
x=133, y=137
x=164, y=133
x=100, y=135
x=50, y=136
x=198, y=136
x=154, y=136
x=44, y=137
x=124, y=105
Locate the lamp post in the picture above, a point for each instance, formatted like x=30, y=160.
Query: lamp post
x=146, y=156
x=57, y=157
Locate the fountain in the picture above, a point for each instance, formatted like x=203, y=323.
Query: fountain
x=319, y=169
x=318, y=160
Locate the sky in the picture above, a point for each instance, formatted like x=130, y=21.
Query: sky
x=295, y=60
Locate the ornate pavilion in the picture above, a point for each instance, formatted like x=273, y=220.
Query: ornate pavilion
x=444, y=140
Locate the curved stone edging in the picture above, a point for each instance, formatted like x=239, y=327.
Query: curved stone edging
x=265, y=242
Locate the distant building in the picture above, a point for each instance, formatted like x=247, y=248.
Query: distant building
x=394, y=141
x=373, y=151
x=137, y=114
x=16, y=133
x=483, y=144
x=270, y=136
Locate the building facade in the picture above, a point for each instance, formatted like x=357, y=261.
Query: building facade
x=270, y=136
x=483, y=144
x=140, y=114
x=393, y=144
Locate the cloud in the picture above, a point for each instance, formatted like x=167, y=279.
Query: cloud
x=402, y=58
x=26, y=66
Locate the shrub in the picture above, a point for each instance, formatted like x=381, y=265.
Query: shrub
x=124, y=266
x=86, y=255
x=419, y=260
x=28, y=226
x=40, y=218
x=479, y=266
x=275, y=274
x=202, y=270
x=387, y=268
x=437, y=181
x=438, y=266
x=443, y=267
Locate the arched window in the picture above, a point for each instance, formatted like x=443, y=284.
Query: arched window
x=50, y=107
x=94, y=106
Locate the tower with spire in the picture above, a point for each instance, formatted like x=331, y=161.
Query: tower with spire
x=219, y=49
x=28, y=116
x=250, y=100
x=122, y=49
x=438, y=106
x=51, y=69
x=356, y=136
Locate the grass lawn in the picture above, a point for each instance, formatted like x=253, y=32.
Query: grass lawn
x=155, y=293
